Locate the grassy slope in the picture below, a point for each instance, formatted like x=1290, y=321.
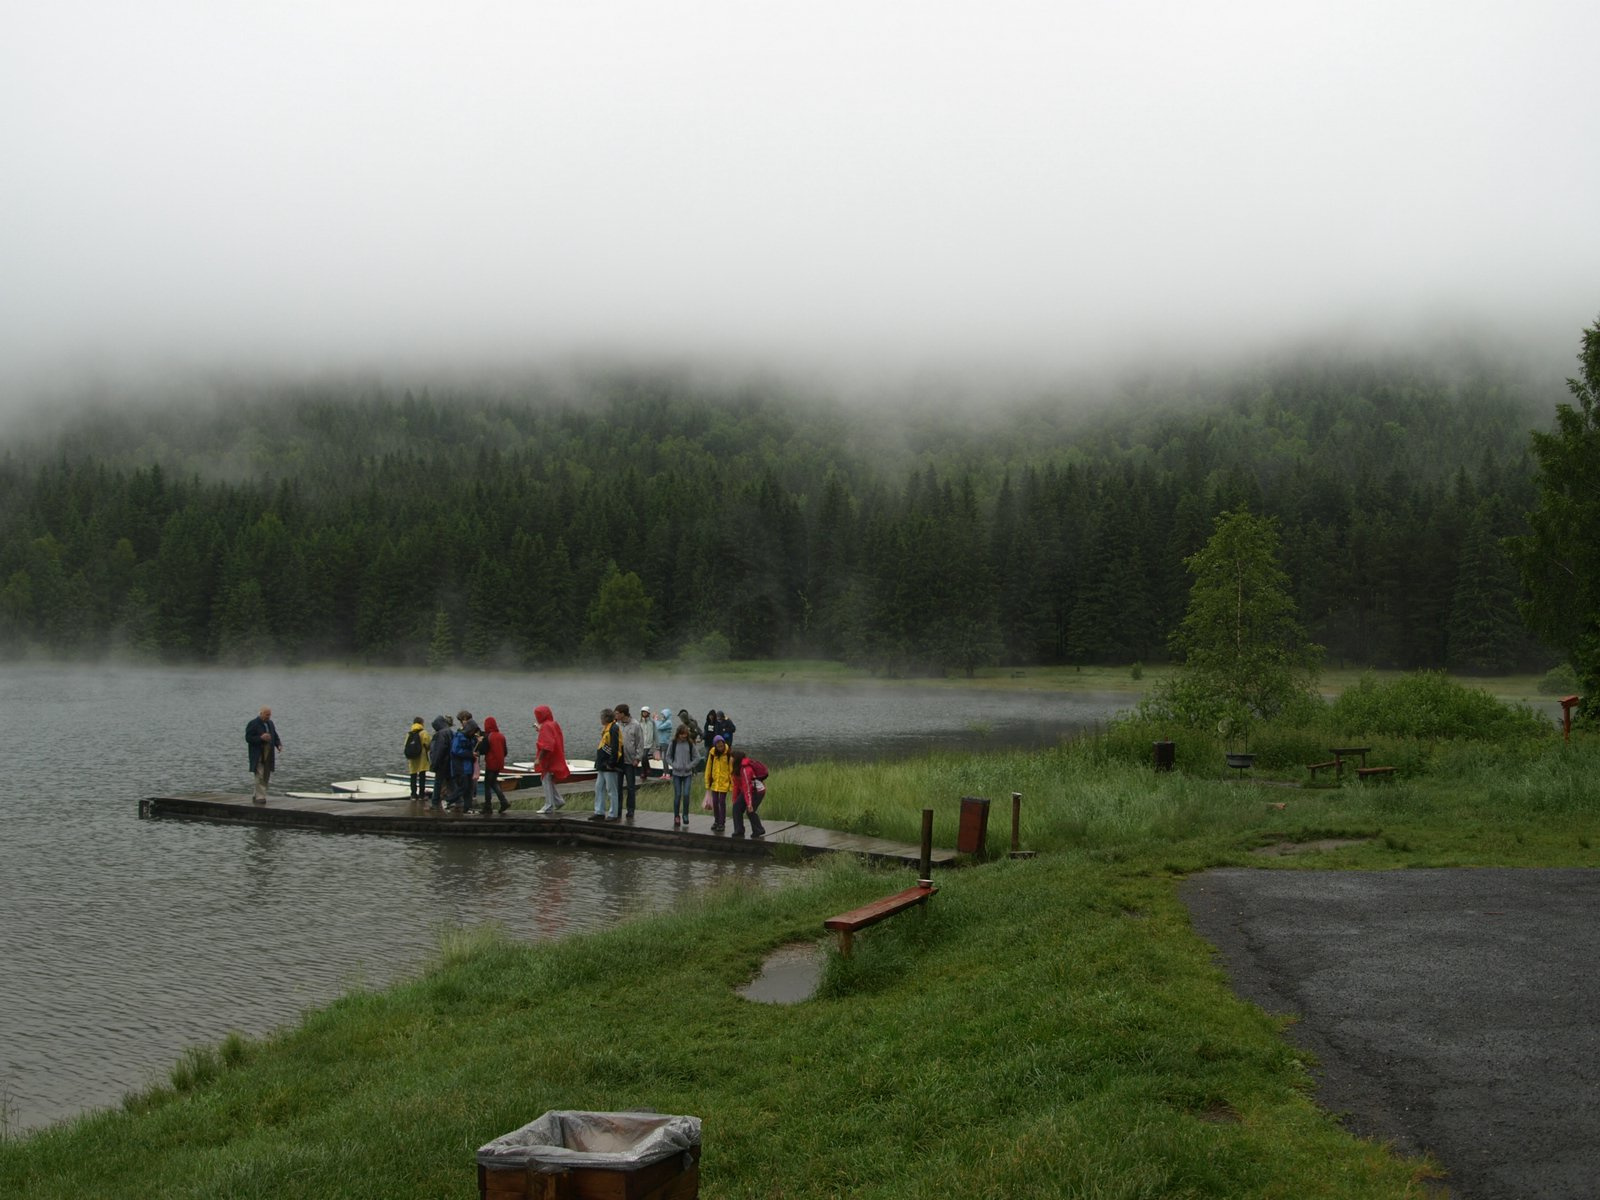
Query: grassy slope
x=1053, y=1028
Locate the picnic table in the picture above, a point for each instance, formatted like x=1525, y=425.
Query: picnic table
x=1340, y=753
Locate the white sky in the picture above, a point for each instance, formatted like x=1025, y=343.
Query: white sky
x=307, y=183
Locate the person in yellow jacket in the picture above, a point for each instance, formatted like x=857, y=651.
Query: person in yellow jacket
x=417, y=763
x=719, y=779
x=608, y=765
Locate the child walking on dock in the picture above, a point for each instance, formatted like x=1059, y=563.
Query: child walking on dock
x=679, y=759
x=719, y=778
x=745, y=797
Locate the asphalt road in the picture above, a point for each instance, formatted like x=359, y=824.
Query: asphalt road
x=1453, y=1011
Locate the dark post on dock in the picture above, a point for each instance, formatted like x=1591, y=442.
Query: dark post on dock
x=1016, y=828
x=925, y=877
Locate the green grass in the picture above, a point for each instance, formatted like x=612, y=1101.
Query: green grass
x=1051, y=1028
x=1115, y=679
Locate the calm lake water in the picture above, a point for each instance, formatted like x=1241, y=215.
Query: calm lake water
x=123, y=942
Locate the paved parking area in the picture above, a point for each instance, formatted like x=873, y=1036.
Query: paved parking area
x=1454, y=1011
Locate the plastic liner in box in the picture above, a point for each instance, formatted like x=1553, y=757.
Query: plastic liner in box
x=566, y=1140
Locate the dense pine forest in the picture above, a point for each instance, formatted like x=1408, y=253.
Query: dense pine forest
x=626, y=515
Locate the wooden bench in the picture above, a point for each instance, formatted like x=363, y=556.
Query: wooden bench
x=1333, y=764
x=1374, y=772
x=846, y=924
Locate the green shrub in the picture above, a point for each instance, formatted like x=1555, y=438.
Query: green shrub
x=1428, y=704
x=1559, y=681
x=713, y=648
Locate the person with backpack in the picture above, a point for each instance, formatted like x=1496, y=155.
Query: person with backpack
x=745, y=800
x=708, y=731
x=439, y=761
x=680, y=758
x=416, y=750
x=550, y=758
x=694, y=726
x=719, y=779
x=494, y=761
x=607, y=769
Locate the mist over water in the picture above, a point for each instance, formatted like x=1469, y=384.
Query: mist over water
x=123, y=942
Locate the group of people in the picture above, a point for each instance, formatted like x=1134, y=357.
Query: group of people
x=624, y=754
x=460, y=756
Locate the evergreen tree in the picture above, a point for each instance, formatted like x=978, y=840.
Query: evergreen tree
x=243, y=638
x=442, y=645
x=1483, y=632
x=1240, y=641
x=1559, y=557
x=619, y=619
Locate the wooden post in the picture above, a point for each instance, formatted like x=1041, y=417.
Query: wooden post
x=1016, y=821
x=926, y=878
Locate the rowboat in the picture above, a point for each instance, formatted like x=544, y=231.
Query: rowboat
x=582, y=769
x=509, y=781
x=371, y=787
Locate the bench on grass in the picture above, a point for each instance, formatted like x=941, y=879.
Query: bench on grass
x=846, y=924
x=1333, y=764
x=1375, y=772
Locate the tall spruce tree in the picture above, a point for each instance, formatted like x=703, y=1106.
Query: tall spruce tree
x=1560, y=555
x=1240, y=641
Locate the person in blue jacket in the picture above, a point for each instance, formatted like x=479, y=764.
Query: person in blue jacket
x=261, y=736
x=463, y=760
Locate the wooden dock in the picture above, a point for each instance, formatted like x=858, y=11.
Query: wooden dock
x=571, y=826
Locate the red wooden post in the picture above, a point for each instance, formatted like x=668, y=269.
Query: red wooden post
x=1568, y=703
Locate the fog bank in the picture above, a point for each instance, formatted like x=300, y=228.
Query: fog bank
x=856, y=188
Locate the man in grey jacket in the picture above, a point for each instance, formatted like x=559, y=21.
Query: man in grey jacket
x=632, y=757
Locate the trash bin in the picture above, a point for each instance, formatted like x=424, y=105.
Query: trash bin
x=1166, y=754
x=571, y=1155
x=974, y=828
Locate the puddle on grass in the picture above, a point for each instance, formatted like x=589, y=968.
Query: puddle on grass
x=1279, y=849
x=790, y=975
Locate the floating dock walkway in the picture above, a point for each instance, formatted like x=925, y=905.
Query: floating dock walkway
x=571, y=826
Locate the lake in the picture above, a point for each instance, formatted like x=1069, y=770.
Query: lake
x=124, y=942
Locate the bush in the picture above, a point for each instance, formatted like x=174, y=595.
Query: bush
x=713, y=648
x=1428, y=704
x=1559, y=681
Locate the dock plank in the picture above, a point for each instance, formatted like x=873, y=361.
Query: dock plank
x=649, y=829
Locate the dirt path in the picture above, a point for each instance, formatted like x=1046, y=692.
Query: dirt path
x=1454, y=1011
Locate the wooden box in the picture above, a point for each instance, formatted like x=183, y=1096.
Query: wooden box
x=675, y=1178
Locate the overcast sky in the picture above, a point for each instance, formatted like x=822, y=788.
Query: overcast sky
x=358, y=181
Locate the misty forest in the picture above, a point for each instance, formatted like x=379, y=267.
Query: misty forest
x=636, y=515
